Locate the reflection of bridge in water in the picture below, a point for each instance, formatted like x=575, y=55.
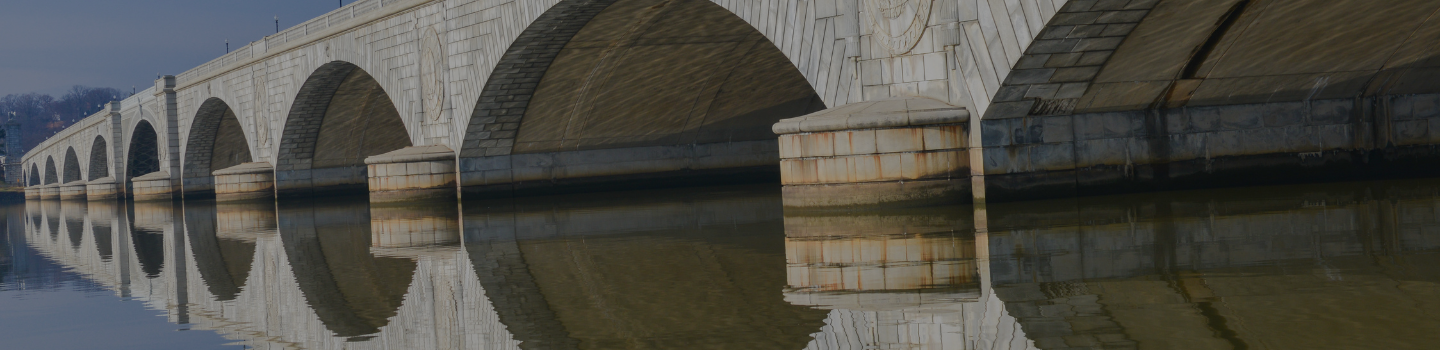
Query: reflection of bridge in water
x=704, y=271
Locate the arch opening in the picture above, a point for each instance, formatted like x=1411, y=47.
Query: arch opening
x=50, y=176
x=641, y=88
x=341, y=116
x=144, y=155
x=34, y=174
x=216, y=141
x=72, y=166
x=99, y=159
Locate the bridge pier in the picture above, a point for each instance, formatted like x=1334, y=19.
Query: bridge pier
x=32, y=192
x=152, y=186
x=50, y=191
x=73, y=190
x=102, y=188
x=412, y=173
x=882, y=152
x=244, y=181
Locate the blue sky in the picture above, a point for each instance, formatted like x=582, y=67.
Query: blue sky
x=48, y=45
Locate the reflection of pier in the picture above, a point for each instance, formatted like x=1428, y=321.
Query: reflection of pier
x=901, y=281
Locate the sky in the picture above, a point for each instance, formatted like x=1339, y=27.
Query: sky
x=46, y=46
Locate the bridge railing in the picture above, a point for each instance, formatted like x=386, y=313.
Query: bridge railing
x=294, y=33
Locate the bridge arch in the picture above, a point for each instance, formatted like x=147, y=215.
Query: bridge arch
x=72, y=167
x=143, y=155
x=99, y=159
x=217, y=140
x=50, y=176
x=340, y=116
x=34, y=175
x=634, y=76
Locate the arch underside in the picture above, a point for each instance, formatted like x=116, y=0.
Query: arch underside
x=1173, y=94
x=35, y=175
x=99, y=159
x=50, y=175
x=341, y=116
x=144, y=152
x=72, y=167
x=216, y=141
x=640, y=89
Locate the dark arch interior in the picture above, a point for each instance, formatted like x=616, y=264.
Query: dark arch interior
x=99, y=159
x=74, y=212
x=50, y=176
x=72, y=166
x=216, y=141
x=144, y=155
x=639, y=73
x=340, y=117
x=353, y=292
x=34, y=174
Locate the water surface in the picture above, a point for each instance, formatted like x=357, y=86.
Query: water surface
x=1348, y=265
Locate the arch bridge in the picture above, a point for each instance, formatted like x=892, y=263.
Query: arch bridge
x=874, y=101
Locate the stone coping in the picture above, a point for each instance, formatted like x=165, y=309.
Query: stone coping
x=102, y=181
x=884, y=113
x=413, y=154
x=159, y=175
x=246, y=168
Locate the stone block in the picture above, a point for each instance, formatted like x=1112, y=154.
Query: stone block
x=943, y=137
x=899, y=140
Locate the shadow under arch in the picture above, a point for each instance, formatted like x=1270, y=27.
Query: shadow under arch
x=50, y=175
x=352, y=291
x=72, y=167
x=224, y=262
x=34, y=175
x=641, y=89
x=144, y=155
x=99, y=159
x=216, y=141
x=340, y=116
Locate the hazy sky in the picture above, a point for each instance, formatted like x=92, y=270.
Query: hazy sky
x=48, y=45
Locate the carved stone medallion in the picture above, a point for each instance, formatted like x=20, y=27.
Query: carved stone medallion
x=898, y=24
x=260, y=113
x=432, y=67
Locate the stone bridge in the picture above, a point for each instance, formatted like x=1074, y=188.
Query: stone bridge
x=874, y=100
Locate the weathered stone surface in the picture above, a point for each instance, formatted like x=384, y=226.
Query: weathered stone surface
x=152, y=187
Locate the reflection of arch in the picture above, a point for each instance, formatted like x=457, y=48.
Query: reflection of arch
x=328, y=243
x=224, y=263
x=216, y=141
x=340, y=116
x=99, y=159
x=144, y=155
x=635, y=73
x=72, y=167
x=50, y=176
x=73, y=212
x=34, y=175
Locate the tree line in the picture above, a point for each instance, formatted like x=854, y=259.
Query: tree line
x=43, y=115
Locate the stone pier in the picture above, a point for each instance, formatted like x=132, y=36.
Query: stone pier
x=412, y=173
x=152, y=186
x=245, y=181
x=73, y=190
x=32, y=192
x=51, y=191
x=102, y=188
x=890, y=151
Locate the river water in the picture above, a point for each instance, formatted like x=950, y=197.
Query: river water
x=1341, y=265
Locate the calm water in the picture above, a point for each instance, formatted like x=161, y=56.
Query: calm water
x=1352, y=265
